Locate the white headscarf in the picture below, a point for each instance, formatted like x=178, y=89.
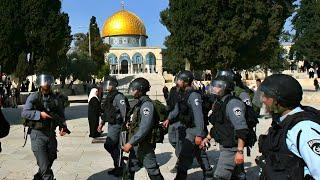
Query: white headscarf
x=93, y=94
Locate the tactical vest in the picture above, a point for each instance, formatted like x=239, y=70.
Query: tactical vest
x=135, y=120
x=281, y=163
x=51, y=105
x=110, y=112
x=186, y=116
x=222, y=131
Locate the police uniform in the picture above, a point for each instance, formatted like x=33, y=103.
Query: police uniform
x=229, y=124
x=115, y=117
x=42, y=135
x=176, y=130
x=141, y=124
x=243, y=95
x=293, y=146
x=191, y=116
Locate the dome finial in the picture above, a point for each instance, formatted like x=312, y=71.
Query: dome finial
x=122, y=5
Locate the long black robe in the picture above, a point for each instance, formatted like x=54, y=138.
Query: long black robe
x=94, y=110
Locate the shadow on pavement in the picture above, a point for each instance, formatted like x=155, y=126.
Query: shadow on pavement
x=102, y=176
x=163, y=158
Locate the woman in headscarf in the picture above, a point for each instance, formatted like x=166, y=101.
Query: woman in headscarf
x=94, y=110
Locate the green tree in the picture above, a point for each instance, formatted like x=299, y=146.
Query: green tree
x=22, y=67
x=37, y=28
x=47, y=33
x=306, y=40
x=12, y=38
x=98, y=48
x=172, y=64
x=235, y=33
x=105, y=70
x=77, y=70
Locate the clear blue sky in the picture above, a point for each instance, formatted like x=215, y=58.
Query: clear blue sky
x=80, y=12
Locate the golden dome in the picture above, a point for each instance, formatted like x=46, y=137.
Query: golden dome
x=123, y=23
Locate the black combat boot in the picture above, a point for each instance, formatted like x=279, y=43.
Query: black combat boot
x=37, y=177
x=181, y=176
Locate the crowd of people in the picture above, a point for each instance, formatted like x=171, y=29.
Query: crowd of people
x=10, y=93
x=290, y=149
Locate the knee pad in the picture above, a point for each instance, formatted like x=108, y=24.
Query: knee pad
x=109, y=145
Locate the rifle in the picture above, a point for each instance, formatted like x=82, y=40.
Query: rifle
x=59, y=121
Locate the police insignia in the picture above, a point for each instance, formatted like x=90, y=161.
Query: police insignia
x=237, y=111
x=196, y=101
x=314, y=144
x=122, y=102
x=247, y=101
x=146, y=111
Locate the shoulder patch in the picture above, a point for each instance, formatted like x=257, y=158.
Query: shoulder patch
x=314, y=144
x=122, y=101
x=196, y=101
x=247, y=101
x=146, y=111
x=237, y=111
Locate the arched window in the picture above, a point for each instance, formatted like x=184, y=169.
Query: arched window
x=137, y=58
x=137, y=62
x=125, y=56
x=112, y=58
x=125, y=63
x=150, y=62
x=150, y=59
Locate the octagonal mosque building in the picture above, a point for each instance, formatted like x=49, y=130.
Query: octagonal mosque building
x=126, y=33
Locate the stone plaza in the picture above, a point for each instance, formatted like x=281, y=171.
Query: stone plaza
x=79, y=159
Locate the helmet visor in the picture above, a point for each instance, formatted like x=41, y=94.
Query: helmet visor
x=45, y=80
x=107, y=85
x=217, y=87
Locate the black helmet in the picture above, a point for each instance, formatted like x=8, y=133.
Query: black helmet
x=186, y=76
x=229, y=74
x=109, y=81
x=140, y=84
x=284, y=88
x=44, y=80
x=223, y=82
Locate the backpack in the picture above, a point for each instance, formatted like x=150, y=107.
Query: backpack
x=161, y=114
x=109, y=111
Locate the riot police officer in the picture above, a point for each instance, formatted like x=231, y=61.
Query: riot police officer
x=292, y=146
x=115, y=107
x=240, y=90
x=43, y=113
x=189, y=112
x=229, y=129
x=176, y=130
x=141, y=124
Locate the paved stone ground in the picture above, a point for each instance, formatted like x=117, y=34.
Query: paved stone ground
x=79, y=159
